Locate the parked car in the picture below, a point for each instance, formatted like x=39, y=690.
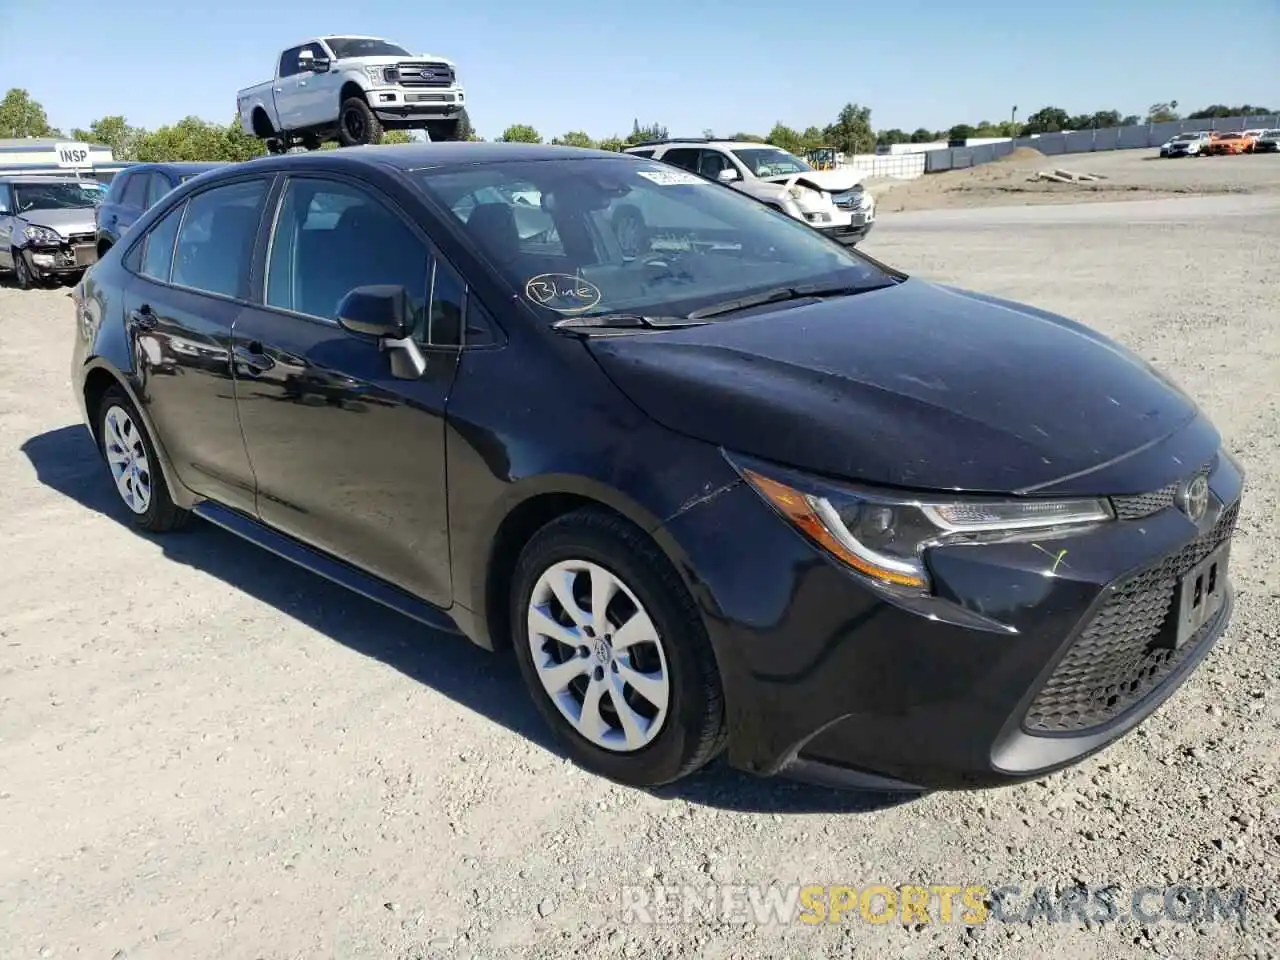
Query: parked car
x=136, y=189
x=1267, y=142
x=832, y=201
x=750, y=491
x=351, y=89
x=1185, y=145
x=1227, y=143
x=46, y=227
x=1252, y=136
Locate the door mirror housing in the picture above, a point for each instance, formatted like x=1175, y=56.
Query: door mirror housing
x=728, y=175
x=385, y=311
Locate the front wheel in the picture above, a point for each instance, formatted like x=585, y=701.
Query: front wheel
x=22, y=275
x=612, y=648
x=357, y=125
x=444, y=131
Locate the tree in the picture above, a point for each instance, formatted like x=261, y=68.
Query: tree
x=851, y=133
x=520, y=133
x=1222, y=110
x=614, y=144
x=887, y=138
x=785, y=138
x=749, y=138
x=961, y=131
x=1130, y=120
x=921, y=135
x=574, y=138
x=113, y=132
x=465, y=130
x=639, y=134
x=1046, y=120
x=20, y=116
x=1163, y=112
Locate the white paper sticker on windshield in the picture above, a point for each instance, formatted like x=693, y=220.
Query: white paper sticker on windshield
x=671, y=178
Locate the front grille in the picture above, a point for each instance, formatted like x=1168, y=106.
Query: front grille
x=411, y=74
x=80, y=238
x=428, y=98
x=1121, y=656
x=1139, y=505
x=847, y=200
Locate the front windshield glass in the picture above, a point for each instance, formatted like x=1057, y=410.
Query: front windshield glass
x=603, y=236
x=56, y=196
x=770, y=161
x=344, y=47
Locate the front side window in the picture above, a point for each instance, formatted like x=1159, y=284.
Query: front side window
x=56, y=195
x=633, y=236
x=6, y=199
x=686, y=158
x=344, y=47
x=135, y=191
x=330, y=238
x=770, y=161
x=215, y=242
x=157, y=246
x=289, y=62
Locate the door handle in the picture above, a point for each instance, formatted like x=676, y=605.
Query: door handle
x=143, y=317
x=253, y=357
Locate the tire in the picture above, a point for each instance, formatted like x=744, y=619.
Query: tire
x=277, y=145
x=675, y=738
x=357, y=126
x=21, y=272
x=131, y=460
x=443, y=131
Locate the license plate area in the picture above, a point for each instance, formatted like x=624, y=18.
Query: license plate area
x=1200, y=594
x=86, y=255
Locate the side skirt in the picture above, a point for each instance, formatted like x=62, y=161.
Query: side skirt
x=326, y=566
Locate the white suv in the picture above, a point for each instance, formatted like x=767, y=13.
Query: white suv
x=831, y=201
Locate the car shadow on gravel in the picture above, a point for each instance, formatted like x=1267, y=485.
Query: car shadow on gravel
x=65, y=460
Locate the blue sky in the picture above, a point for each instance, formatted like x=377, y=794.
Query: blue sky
x=728, y=65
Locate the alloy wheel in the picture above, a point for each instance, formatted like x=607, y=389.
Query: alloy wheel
x=598, y=656
x=127, y=457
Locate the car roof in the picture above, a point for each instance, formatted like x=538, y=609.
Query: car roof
x=698, y=142
x=177, y=166
x=420, y=156
x=45, y=178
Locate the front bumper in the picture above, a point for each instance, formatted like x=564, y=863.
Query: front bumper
x=1029, y=659
x=407, y=106
x=48, y=260
x=849, y=233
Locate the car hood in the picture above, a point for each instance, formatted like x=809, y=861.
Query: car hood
x=66, y=222
x=833, y=181
x=915, y=385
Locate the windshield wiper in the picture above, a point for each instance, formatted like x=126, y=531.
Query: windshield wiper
x=624, y=321
x=779, y=294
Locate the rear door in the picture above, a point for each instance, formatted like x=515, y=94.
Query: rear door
x=190, y=283
x=347, y=457
x=133, y=202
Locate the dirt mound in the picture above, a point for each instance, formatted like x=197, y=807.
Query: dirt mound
x=1021, y=153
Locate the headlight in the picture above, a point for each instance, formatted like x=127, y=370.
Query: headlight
x=379, y=75
x=34, y=234
x=804, y=193
x=884, y=536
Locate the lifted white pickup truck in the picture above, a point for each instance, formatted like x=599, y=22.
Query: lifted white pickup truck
x=350, y=89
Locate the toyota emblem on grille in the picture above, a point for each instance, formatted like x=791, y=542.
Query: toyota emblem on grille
x=1193, y=498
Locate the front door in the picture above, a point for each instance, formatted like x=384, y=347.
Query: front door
x=7, y=221
x=347, y=457
x=192, y=274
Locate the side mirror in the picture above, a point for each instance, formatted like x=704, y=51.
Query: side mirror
x=320, y=65
x=386, y=312
x=728, y=175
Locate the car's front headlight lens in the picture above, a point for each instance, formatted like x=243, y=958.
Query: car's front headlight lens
x=884, y=536
x=379, y=75
x=34, y=234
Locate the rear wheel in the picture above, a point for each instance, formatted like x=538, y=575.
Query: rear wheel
x=357, y=124
x=135, y=468
x=443, y=131
x=614, y=652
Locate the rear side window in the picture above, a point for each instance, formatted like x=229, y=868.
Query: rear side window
x=641, y=153
x=157, y=188
x=157, y=246
x=215, y=242
x=135, y=191
x=684, y=157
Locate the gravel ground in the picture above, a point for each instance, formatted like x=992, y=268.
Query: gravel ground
x=1130, y=175
x=206, y=753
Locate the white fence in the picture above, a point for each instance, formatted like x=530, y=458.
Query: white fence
x=902, y=167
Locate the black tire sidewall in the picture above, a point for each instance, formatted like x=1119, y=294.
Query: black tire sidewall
x=668, y=756
x=372, y=130
x=22, y=274
x=116, y=397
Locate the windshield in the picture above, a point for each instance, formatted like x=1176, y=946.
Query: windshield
x=344, y=47
x=770, y=161
x=57, y=196
x=602, y=236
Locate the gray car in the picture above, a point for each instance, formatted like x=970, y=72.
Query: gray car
x=47, y=228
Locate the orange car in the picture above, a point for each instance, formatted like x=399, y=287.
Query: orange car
x=1222, y=144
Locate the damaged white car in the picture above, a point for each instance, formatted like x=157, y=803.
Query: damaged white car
x=831, y=201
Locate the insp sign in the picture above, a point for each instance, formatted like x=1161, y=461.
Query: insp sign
x=73, y=156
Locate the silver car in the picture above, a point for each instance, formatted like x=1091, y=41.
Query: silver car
x=47, y=227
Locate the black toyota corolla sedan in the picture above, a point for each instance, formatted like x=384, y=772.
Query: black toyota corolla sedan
x=726, y=486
